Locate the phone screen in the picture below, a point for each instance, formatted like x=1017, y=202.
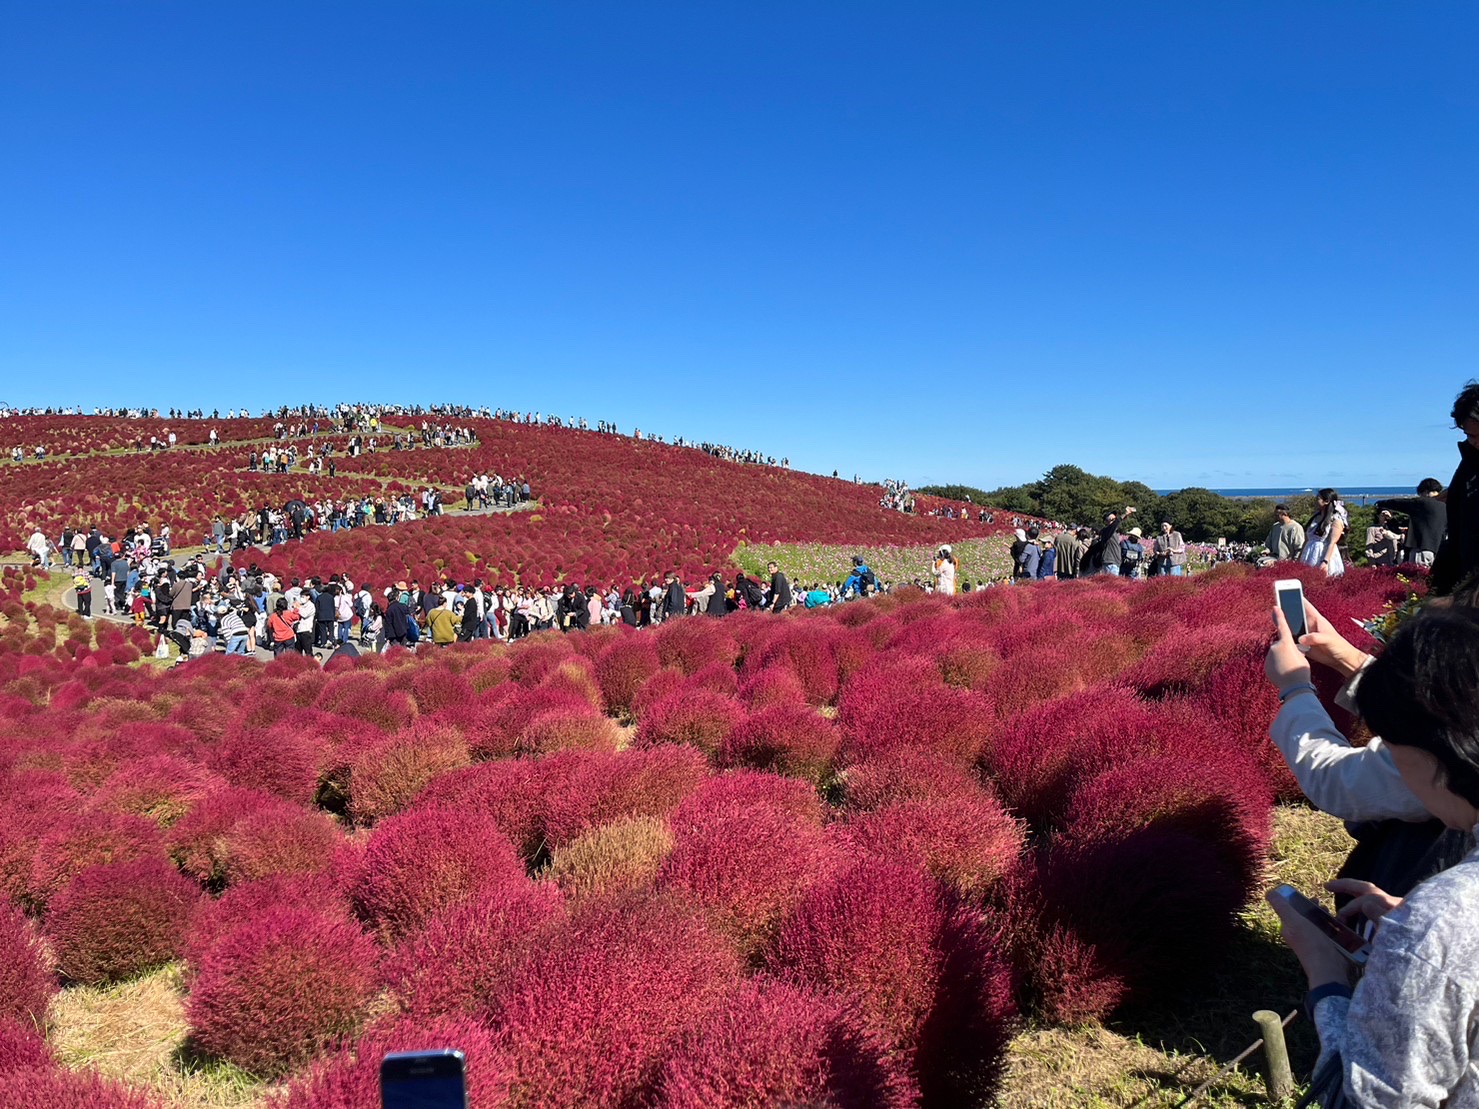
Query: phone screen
x=423, y=1093
x=423, y=1080
x=1346, y=937
x=1291, y=604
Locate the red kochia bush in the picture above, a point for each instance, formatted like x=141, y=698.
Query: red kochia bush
x=697, y=717
x=771, y=1043
x=469, y=950
x=26, y=981
x=384, y=775
x=283, y=758
x=350, y=1078
x=602, y=787
x=277, y=989
x=623, y=668
x=806, y=649
x=83, y=840
x=967, y=840
x=162, y=788
x=954, y=723
x=211, y=919
x=790, y=738
x=592, y=1014
x=905, y=774
x=426, y=859
x=740, y=792
x=116, y=920
x=21, y=1047
x=747, y=870
x=239, y=835
x=925, y=977
x=57, y=1088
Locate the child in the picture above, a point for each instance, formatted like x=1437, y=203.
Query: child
x=83, y=584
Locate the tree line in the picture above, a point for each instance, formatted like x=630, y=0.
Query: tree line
x=1069, y=494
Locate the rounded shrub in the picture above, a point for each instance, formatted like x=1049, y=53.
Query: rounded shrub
x=698, y=718
x=772, y=1043
x=80, y=840
x=790, y=739
x=465, y=953
x=426, y=859
x=966, y=840
x=592, y=1014
x=281, y=987
x=214, y=917
x=747, y=871
x=622, y=856
x=623, y=668
x=350, y=1078
x=119, y=919
x=600, y=788
x=22, y=1047
x=385, y=776
x=905, y=774
x=26, y=980
x=162, y=788
x=58, y=1088
x=737, y=793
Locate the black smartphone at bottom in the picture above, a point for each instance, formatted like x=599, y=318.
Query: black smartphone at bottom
x=423, y=1080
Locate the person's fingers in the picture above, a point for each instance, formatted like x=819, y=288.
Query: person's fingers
x=1281, y=626
x=1351, y=887
x=1313, y=620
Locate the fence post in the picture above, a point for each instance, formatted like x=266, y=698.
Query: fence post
x=1276, y=1054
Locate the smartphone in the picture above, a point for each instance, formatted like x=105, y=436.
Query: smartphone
x=423, y=1080
x=1347, y=939
x=1289, y=594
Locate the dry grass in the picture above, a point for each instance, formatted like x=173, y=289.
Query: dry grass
x=1157, y=1057
x=135, y=1031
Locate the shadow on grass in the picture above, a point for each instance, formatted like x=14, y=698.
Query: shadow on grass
x=1214, y=1018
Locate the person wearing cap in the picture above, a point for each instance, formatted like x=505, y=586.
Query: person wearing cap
x=1132, y=555
x=1029, y=554
x=947, y=566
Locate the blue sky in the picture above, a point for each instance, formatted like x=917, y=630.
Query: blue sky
x=1207, y=244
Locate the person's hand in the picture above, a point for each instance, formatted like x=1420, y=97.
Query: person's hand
x=1322, y=961
x=1367, y=900
x=1327, y=646
x=1285, y=665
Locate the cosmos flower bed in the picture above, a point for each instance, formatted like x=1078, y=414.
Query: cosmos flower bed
x=826, y=858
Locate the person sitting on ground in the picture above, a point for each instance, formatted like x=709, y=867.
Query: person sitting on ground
x=1382, y=542
x=1405, y=1034
x=1398, y=842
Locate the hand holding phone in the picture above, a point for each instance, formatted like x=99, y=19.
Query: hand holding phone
x=1289, y=594
x=1346, y=940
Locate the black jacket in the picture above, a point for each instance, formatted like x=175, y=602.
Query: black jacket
x=674, y=601
x=780, y=592
x=1459, y=555
x=718, y=603
x=1428, y=520
x=397, y=621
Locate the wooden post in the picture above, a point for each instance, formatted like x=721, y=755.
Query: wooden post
x=1276, y=1054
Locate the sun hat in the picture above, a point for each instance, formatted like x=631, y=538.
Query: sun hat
x=1135, y=532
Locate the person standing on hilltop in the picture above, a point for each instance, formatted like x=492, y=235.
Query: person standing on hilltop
x=1170, y=551
x=1286, y=539
x=1323, y=535
x=1427, y=517
x=1069, y=549
x=947, y=568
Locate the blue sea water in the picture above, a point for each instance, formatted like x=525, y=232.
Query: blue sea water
x=1355, y=495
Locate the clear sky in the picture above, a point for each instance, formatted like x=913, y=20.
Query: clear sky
x=1219, y=244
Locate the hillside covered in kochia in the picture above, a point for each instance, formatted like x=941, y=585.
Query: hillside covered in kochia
x=611, y=508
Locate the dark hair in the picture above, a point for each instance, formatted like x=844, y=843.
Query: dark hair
x=1429, y=485
x=1281, y=510
x=1466, y=404
x=1329, y=496
x=1033, y=532
x=1422, y=692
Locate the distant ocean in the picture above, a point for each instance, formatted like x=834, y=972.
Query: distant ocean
x=1354, y=495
